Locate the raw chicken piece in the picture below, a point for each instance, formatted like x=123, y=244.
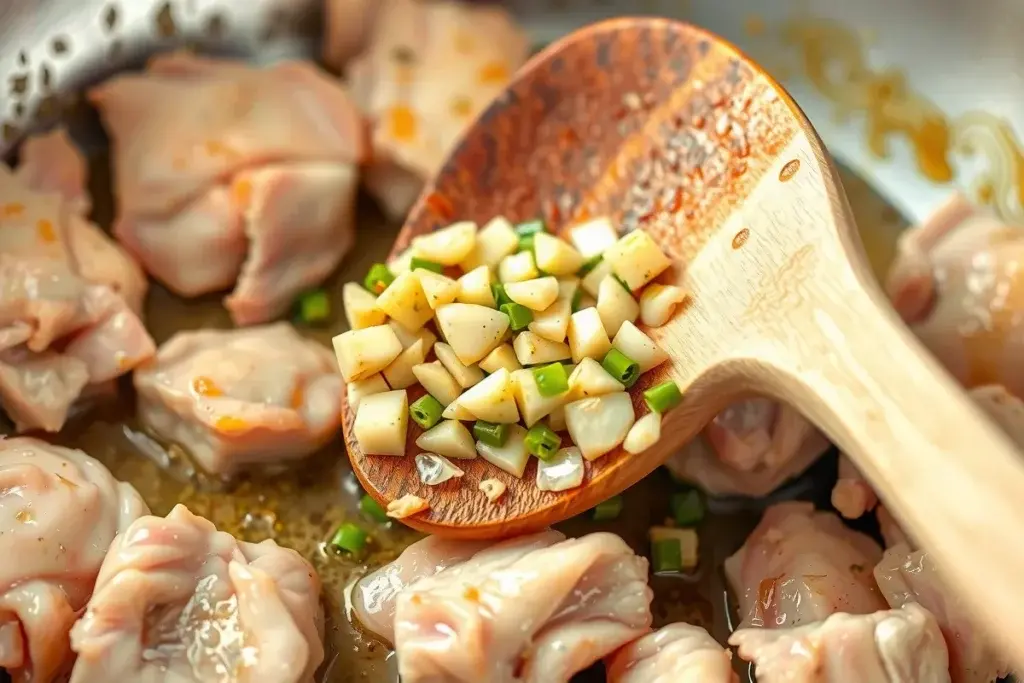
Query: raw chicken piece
x=678, y=653
x=750, y=449
x=800, y=566
x=428, y=70
x=69, y=297
x=890, y=646
x=907, y=577
x=228, y=172
x=958, y=282
x=179, y=602
x=535, y=609
x=59, y=512
x=234, y=398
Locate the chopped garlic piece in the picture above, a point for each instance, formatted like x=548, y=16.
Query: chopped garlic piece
x=439, y=289
x=597, y=425
x=638, y=346
x=374, y=384
x=365, y=352
x=465, y=375
x=512, y=456
x=562, y=472
x=532, y=405
x=399, y=373
x=536, y=294
x=406, y=506
x=450, y=438
x=492, y=400
x=438, y=382
x=475, y=288
x=361, y=309
x=615, y=305
x=659, y=302
x=447, y=246
x=502, y=357
x=493, y=489
x=405, y=302
x=555, y=256
x=454, y=411
x=517, y=267
x=494, y=242
x=401, y=263
x=381, y=423
x=591, y=282
x=435, y=469
x=593, y=237
x=587, y=336
x=472, y=331
x=556, y=420
x=532, y=349
x=644, y=433
x=637, y=259
x=591, y=379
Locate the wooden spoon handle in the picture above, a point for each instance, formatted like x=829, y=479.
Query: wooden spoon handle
x=950, y=476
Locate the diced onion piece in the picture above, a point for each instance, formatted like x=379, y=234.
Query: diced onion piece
x=472, y=331
x=405, y=302
x=637, y=259
x=362, y=353
x=615, y=305
x=638, y=346
x=374, y=384
x=492, y=400
x=555, y=256
x=454, y=411
x=436, y=469
x=590, y=379
x=591, y=282
x=561, y=472
x=552, y=322
x=493, y=489
x=532, y=404
x=465, y=375
x=401, y=263
x=587, y=336
x=502, y=357
x=438, y=382
x=381, y=423
x=659, y=302
x=475, y=288
x=593, y=237
x=597, y=425
x=532, y=349
x=517, y=267
x=556, y=420
x=494, y=242
x=644, y=433
x=450, y=438
x=536, y=294
x=361, y=309
x=687, y=539
x=407, y=506
x=447, y=246
x=512, y=456
x=399, y=373
x=439, y=289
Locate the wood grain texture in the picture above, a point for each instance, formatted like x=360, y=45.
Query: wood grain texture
x=719, y=164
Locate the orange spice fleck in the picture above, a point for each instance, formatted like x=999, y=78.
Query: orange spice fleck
x=46, y=231
x=463, y=42
x=416, y=599
x=227, y=423
x=13, y=209
x=462, y=106
x=401, y=123
x=241, y=191
x=472, y=594
x=215, y=148
x=24, y=516
x=204, y=386
x=494, y=73
x=298, y=396
x=123, y=361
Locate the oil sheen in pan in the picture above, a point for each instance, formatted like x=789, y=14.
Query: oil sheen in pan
x=302, y=507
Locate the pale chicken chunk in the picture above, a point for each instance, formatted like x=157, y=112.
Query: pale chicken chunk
x=236, y=398
x=678, y=653
x=228, y=174
x=427, y=70
x=907, y=577
x=958, y=282
x=800, y=566
x=69, y=296
x=890, y=646
x=178, y=601
x=59, y=512
x=535, y=609
x=750, y=449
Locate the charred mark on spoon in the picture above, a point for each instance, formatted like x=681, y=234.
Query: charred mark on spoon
x=740, y=238
x=789, y=170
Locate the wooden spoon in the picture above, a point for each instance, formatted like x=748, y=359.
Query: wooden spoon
x=669, y=129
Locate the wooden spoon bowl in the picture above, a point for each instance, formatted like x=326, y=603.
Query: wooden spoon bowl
x=666, y=128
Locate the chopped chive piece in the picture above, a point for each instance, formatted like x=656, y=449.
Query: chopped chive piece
x=425, y=264
x=519, y=316
x=490, y=433
x=687, y=508
x=349, y=539
x=372, y=509
x=314, y=307
x=590, y=264
x=577, y=297
x=551, y=379
x=663, y=397
x=426, y=411
x=378, y=278
x=500, y=297
x=667, y=555
x=542, y=442
x=623, y=283
x=530, y=227
x=621, y=367
x=525, y=243
x=608, y=509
